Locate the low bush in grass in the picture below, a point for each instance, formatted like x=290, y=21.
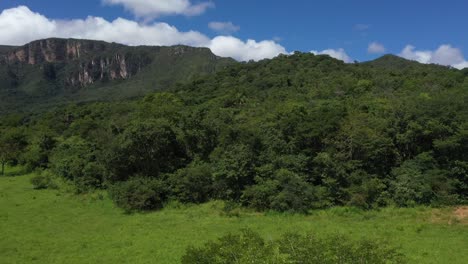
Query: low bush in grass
x=139, y=194
x=246, y=247
x=337, y=249
x=250, y=247
x=44, y=180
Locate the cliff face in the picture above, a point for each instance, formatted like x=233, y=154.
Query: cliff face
x=87, y=61
x=47, y=72
x=57, y=50
x=101, y=69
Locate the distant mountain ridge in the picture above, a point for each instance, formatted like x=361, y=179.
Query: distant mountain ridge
x=58, y=71
x=49, y=68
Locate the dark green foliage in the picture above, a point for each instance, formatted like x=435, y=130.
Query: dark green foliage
x=139, y=194
x=286, y=191
x=419, y=181
x=43, y=180
x=39, y=150
x=289, y=134
x=193, y=184
x=75, y=160
x=147, y=148
x=249, y=247
x=12, y=143
x=234, y=170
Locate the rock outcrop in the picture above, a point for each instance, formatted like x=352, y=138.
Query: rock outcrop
x=87, y=61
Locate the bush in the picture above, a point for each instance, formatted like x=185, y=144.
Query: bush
x=337, y=249
x=193, y=184
x=37, y=154
x=287, y=191
x=246, y=247
x=75, y=160
x=419, y=181
x=43, y=180
x=249, y=247
x=139, y=194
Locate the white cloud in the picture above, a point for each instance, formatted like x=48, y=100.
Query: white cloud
x=461, y=65
x=157, y=8
x=376, y=48
x=447, y=55
x=244, y=51
x=223, y=27
x=20, y=25
x=410, y=53
x=339, y=54
x=444, y=55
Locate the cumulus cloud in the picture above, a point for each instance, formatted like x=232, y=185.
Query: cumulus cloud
x=339, y=54
x=244, y=51
x=410, y=53
x=20, y=25
x=223, y=27
x=157, y=8
x=376, y=48
x=444, y=55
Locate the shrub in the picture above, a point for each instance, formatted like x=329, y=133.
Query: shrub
x=43, y=180
x=37, y=154
x=337, y=249
x=287, y=191
x=246, y=247
x=139, y=194
x=231, y=209
x=249, y=247
x=75, y=160
x=192, y=184
x=419, y=181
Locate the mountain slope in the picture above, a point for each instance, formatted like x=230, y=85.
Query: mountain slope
x=54, y=71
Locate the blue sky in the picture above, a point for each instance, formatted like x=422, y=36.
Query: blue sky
x=436, y=29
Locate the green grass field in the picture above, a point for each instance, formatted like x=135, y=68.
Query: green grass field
x=49, y=226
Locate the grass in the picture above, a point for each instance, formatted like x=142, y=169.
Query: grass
x=54, y=227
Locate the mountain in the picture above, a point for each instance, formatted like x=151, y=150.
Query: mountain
x=55, y=71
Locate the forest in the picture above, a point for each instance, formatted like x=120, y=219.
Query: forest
x=291, y=134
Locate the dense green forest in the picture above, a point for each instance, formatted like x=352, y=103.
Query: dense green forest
x=293, y=133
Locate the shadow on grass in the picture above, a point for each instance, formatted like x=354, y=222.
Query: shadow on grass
x=14, y=171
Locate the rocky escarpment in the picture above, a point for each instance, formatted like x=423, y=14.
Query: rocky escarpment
x=49, y=72
x=83, y=62
x=101, y=69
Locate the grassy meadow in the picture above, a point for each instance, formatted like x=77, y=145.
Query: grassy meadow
x=53, y=226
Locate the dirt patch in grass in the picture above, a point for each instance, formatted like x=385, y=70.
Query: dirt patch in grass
x=450, y=216
x=461, y=213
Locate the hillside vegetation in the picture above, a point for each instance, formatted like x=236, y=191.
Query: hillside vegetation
x=294, y=133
